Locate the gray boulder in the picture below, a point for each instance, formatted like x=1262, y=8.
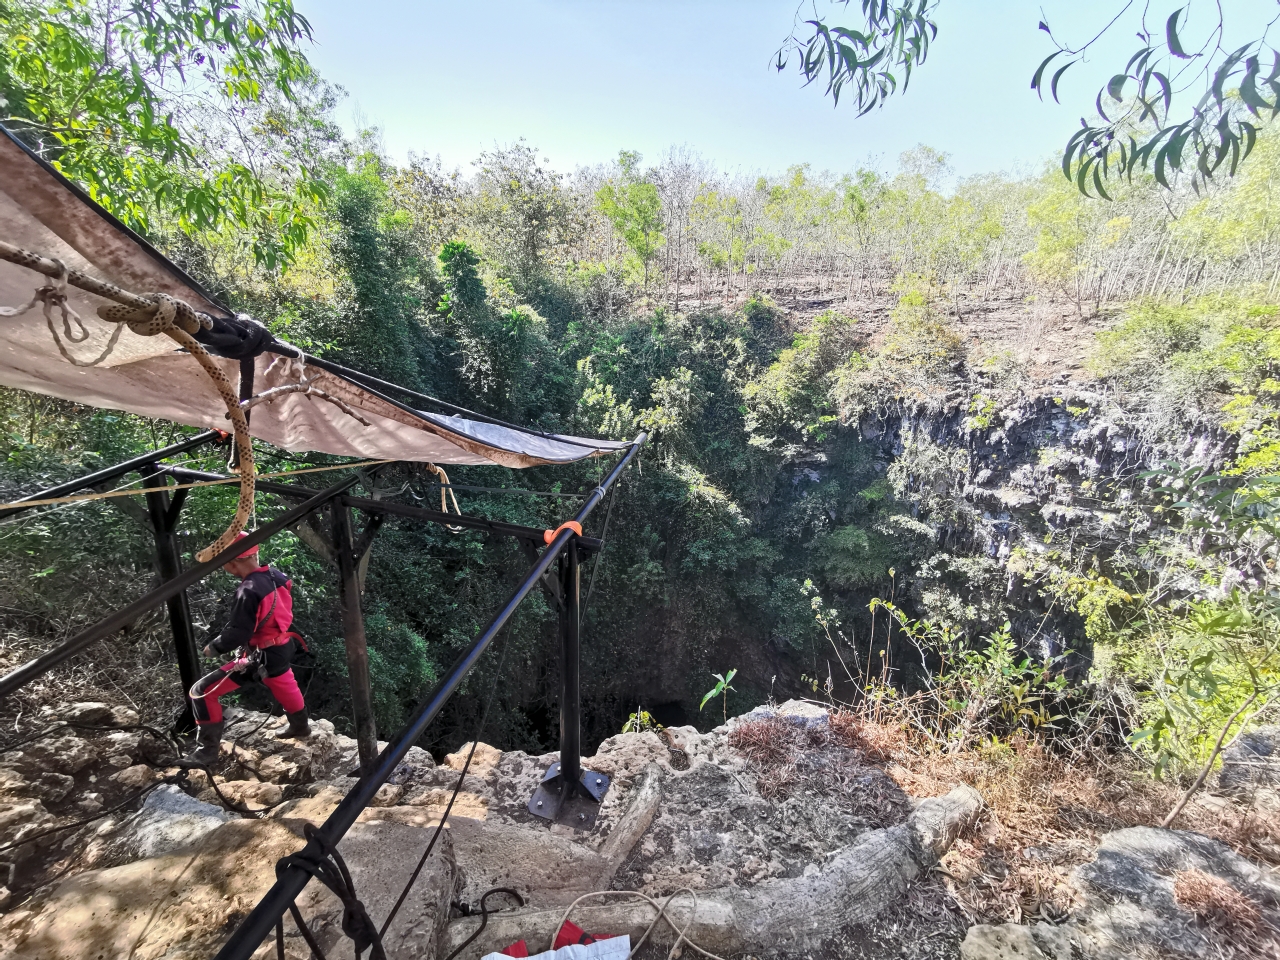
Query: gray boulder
x=1252, y=761
x=1127, y=900
x=168, y=821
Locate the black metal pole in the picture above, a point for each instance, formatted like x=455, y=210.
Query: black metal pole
x=110, y=473
x=262, y=920
x=353, y=636
x=169, y=565
x=16, y=679
x=570, y=705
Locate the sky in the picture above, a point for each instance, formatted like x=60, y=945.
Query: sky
x=582, y=79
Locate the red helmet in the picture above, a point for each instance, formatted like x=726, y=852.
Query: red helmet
x=251, y=552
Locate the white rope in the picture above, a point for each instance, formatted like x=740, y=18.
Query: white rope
x=662, y=915
x=54, y=295
x=305, y=385
x=445, y=486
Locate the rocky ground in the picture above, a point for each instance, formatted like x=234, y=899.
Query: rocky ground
x=792, y=827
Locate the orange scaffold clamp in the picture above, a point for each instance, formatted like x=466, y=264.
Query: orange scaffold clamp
x=549, y=535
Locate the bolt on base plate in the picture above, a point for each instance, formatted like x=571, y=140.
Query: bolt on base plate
x=578, y=808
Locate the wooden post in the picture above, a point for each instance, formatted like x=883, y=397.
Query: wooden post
x=353, y=635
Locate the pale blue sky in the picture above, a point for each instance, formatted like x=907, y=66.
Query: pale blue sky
x=581, y=79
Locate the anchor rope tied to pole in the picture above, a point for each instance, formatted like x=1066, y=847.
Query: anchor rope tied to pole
x=124, y=491
x=145, y=316
x=148, y=316
x=331, y=870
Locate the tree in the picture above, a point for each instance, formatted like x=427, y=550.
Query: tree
x=523, y=212
x=632, y=205
x=127, y=97
x=382, y=332
x=1137, y=126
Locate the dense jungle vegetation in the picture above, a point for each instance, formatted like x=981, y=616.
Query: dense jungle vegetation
x=832, y=366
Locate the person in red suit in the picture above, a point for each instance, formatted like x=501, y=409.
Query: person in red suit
x=258, y=629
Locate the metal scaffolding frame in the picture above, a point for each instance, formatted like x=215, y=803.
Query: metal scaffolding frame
x=566, y=793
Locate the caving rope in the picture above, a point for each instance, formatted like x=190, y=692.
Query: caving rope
x=149, y=316
x=146, y=316
x=446, y=485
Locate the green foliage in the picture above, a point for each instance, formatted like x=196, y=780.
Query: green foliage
x=641, y=722
x=721, y=689
x=523, y=217
x=1138, y=128
x=789, y=404
x=132, y=99
x=372, y=246
x=892, y=41
x=917, y=360
x=1216, y=359
x=983, y=692
x=634, y=209
x=1213, y=666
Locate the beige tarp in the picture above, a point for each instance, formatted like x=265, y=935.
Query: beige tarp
x=149, y=376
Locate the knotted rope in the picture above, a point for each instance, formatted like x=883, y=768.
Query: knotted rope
x=178, y=321
x=53, y=296
x=331, y=870
x=146, y=316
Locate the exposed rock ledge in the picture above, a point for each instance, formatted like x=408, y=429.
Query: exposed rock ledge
x=173, y=880
x=821, y=867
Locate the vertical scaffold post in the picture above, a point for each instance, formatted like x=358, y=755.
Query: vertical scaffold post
x=568, y=794
x=164, y=521
x=570, y=704
x=354, y=637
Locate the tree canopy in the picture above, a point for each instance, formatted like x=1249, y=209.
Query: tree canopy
x=1183, y=103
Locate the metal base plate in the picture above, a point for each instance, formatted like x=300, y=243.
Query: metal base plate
x=563, y=803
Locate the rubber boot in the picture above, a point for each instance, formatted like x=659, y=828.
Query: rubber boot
x=298, y=729
x=208, y=737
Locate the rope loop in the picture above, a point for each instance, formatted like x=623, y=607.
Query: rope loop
x=549, y=535
x=446, y=487
x=331, y=870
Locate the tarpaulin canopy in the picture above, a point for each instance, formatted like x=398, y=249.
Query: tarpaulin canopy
x=43, y=212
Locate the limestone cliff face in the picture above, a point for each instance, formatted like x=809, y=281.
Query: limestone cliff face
x=1020, y=487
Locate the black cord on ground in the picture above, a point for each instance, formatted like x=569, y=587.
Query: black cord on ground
x=484, y=718
x=484, y=916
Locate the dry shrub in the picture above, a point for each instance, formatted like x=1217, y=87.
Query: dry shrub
x=1215, y=902
x=782, y=749
x=775, y=782
x=877, y=742
x=770, y=740
x=1046, y=814
x=1234, y=916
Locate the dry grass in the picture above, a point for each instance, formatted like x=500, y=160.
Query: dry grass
x=777, y=746
x=1046, y=813
x=1234, y=916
